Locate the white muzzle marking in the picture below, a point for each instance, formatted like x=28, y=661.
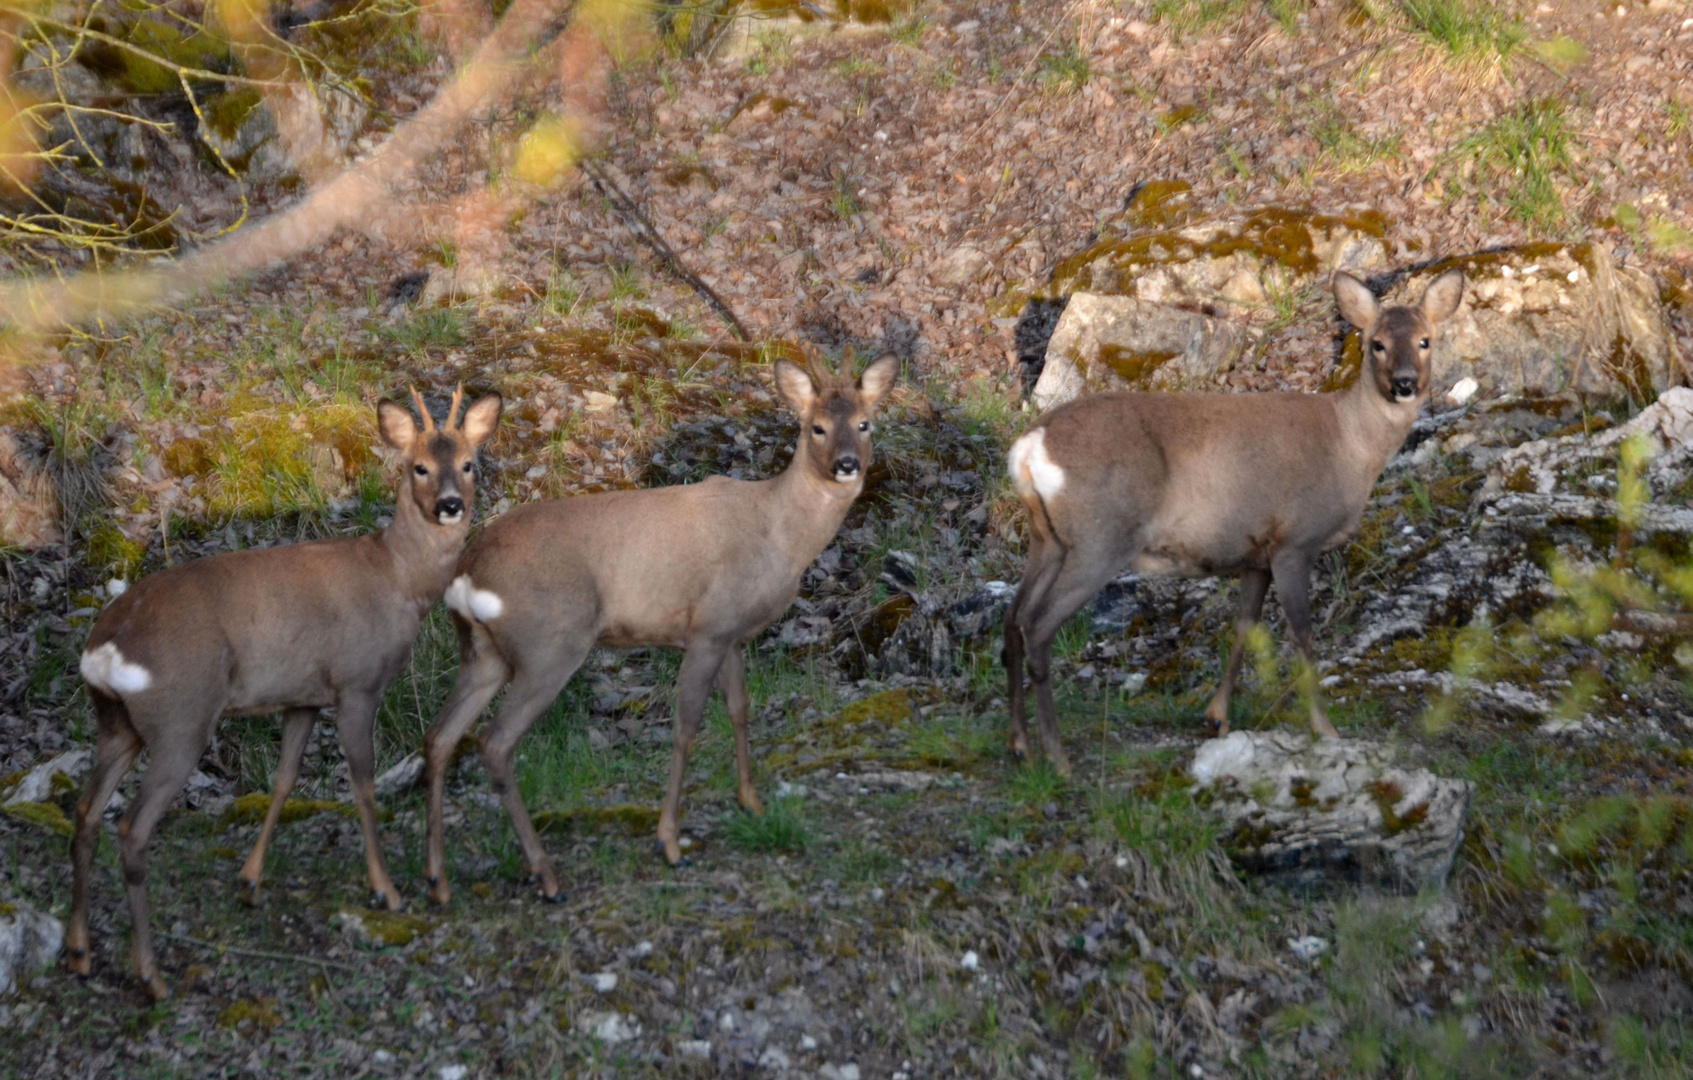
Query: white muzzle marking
x=478, y=605
x=1032, y=468
x=106, y=670
x=450, y=519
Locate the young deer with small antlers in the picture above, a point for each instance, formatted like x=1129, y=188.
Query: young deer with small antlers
x=698, y=567
x=1251, y=484
x=292, y=629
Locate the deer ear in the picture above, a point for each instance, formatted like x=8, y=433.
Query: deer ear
x=399, y=430
x=1357, y=303
x=878, y=379
x=481, y=418
x=1443, y=295
x=795, y=385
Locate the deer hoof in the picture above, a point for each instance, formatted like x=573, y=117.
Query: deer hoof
x=80, y=962
x=155, y=987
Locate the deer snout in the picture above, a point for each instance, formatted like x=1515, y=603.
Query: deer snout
x=449, y=509
x=1404, y=387
x=846, y=468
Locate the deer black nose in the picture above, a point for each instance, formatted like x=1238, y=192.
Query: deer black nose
x=846, y=467
x=449, y=506
x=1404, y=388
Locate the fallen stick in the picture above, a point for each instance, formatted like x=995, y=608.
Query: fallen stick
x=258, y=954
x=643, y=228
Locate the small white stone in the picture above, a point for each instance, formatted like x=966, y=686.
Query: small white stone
x=726, y=1022
x=603, y=981
x=807, y=1043
x=1462, y=390
x=644, y=948
x=971, y=961
x=1574, y=276
x=1408, y=530
x=453, y=1072
x=116, y=587
x=1308, y=947
x=383, y=1057
x=1122, y=862
x=697, y=1049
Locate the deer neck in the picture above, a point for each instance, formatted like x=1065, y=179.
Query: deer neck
x=423, y=553
x=1372, y=427
x=809, y=508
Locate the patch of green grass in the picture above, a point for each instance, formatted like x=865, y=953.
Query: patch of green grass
x=909, y=31
x=1168, y=827
x=1346, y=151
x=626, y=282
x=861, y=860
x=1036, y=785
x=1065, y=72
x=1652, y=1051
x=564, y=295
x=437, y=328
x=1187, y=16
x=1678, y=117
x=845, y=205
x=1560, y=53
x=1287, y=12
x=782, y=827
x=857, y=68
x=772, y=52
x=1467, y=29
x=1518, y=158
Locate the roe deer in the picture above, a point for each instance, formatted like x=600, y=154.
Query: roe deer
x=1250, y=484
x=698, y=567
x=293, y=629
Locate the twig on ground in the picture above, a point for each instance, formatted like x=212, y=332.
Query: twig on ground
x=643, y=228
x=258, y=954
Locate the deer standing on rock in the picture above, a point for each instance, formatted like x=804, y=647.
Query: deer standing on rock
x=1251, y=484
x=698, y=567
x=295, y=629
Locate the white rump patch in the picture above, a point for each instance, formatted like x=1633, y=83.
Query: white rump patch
x=476, y=604
x=106, y=670
x=1032, y=468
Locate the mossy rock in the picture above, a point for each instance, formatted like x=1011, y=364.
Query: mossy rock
x=383, y=929
x=250, y=809
x=633, y=818
x=45, y=814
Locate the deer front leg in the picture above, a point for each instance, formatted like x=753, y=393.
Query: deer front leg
x=732, y=679
x=1253, y=585
x=296, y=728
x=1293, y=586
x=356, y=724
x=699, y=663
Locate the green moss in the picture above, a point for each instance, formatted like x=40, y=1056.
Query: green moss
x=252, y=1012
x=47, y=815
x=108, y=546
x=888, y=707
x=1387, y=795
x=1276, y=234
x=226, y=112
x=1134, y=367
x=1159, y=202
x=633, y=818
x=386, y=928
x=250, y=809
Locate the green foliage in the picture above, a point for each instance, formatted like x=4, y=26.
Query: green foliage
x=1467, y=29
x=1187, y=16
x=429, y=328
x=1519, y=157
x=782, y=827
x=1065, y=72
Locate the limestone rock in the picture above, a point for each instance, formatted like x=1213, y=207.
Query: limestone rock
x=29, y=940
x=1309, y=810
x=37, y=784
x=1120, y=342
x=1543, y=319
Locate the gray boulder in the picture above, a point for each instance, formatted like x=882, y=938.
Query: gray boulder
x=1543, y=319
x=1307, y=810
x=29, y=941
x=1120, y=342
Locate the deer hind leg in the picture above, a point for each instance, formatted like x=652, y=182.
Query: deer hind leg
x=700, y=663
x=171, y=762
x=1253, y=585
x=732, y=680
x=1082, y=575
x=534, y=686
x=296, y=729
x=115, y=751
x=355, y=724
x=1292, y=572
x=1046, y=559
x=482, y=671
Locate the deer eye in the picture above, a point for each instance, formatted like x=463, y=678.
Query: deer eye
x=1378, y=346
x=864, y=425
x=421, y=470
x=817, y=429
x=467, y=466
x=1423, y=344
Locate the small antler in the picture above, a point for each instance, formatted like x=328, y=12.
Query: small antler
x=453, y=418
x=423, y=411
